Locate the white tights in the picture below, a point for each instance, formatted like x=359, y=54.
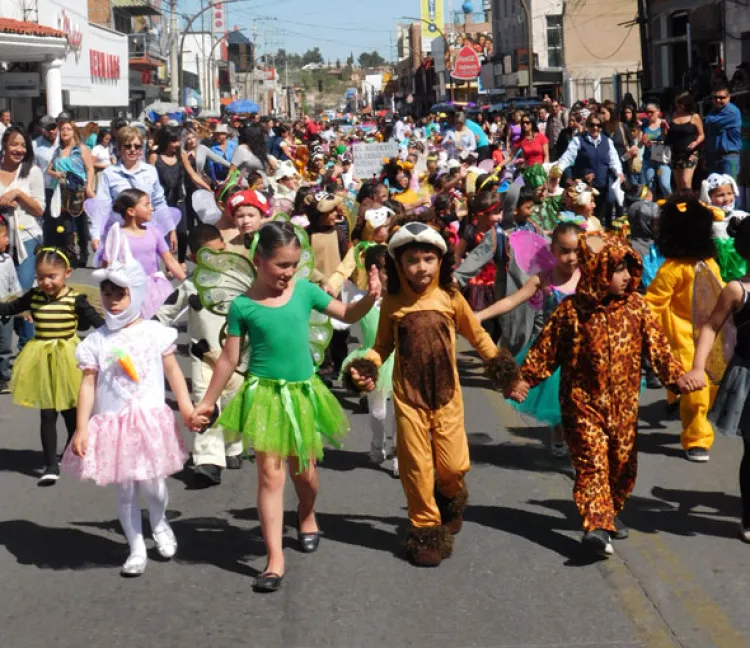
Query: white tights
x=379, y=428
x=155, y=493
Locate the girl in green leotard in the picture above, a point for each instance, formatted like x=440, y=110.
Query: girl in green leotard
x=283, y=410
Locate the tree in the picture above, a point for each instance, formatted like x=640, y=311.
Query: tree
x=371, y=59
x=350, y=60
x=338, y=63
x=312, y=56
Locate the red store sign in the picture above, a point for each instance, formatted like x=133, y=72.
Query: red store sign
x=104, y=67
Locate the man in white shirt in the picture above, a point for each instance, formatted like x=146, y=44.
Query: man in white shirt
x=399, y=129
x=44, y=149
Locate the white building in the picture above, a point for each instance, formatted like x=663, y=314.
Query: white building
x=510, y=34
x=68, y=62
x=200, y=57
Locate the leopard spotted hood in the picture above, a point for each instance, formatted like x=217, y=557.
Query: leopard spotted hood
x=598, y=256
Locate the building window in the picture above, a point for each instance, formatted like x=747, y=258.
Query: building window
x=554, y=42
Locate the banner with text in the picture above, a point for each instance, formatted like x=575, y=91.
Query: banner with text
x=368, y=158
x=432, y=20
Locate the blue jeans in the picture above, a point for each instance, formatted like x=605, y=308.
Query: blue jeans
x=728, y=164
x=26, y=272
x=6, y=350
x=660, y=172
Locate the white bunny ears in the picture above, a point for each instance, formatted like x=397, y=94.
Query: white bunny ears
x=124, y=271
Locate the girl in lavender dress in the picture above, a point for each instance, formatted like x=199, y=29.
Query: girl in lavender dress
x=125, y=432
x=147, y=247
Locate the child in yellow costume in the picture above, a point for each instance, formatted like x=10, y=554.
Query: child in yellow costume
x=419, y=319
x=685, y=237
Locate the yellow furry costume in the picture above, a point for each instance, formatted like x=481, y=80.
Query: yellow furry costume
x=670, y=297
x=432, y=448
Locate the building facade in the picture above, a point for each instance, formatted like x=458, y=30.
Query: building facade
x=70, y=63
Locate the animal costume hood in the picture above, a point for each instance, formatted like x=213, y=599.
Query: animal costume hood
x=598, y=256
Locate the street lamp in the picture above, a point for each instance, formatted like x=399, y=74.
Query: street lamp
x=446, y=48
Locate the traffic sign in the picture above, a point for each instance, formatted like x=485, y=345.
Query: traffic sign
x=467, y=66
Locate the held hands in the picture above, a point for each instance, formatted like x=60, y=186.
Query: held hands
x=200, y=417
x=518, y=392
x=362, y=383
x=374, y=287
x=693, y=380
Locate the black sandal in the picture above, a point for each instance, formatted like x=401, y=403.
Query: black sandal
x=267, y=582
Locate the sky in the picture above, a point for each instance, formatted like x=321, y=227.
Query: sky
x=337, y=27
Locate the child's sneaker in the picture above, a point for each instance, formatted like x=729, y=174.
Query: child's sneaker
x=598, y=542
x=698, y=455
x=4, y=387
x=50, y=476
x=377, y=455
x=744, y=533
x=394, y=468
x=558, y=449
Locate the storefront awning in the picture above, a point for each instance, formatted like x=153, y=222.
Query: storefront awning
x=29, y=42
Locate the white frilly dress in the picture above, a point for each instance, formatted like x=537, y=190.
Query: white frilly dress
x=132, y=434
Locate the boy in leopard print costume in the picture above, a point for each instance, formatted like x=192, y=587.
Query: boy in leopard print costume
x=596, y=336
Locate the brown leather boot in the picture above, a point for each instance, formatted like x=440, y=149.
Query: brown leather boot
x=427, y=547
x=452, y=508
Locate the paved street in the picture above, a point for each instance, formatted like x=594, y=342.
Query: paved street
x=516, y=578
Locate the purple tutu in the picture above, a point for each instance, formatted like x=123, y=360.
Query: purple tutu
x=158, y=289
x=131, y=445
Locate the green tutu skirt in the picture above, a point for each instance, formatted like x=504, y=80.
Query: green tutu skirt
x=288, y=419
x=731, y=264
x=46, y=375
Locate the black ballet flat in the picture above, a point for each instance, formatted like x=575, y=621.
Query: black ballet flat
x=267, y=582
x=308, y=541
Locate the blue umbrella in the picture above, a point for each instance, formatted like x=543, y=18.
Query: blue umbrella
x=242, y=106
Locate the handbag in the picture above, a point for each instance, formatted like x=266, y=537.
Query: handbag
x=661, y=153
x=72, y=201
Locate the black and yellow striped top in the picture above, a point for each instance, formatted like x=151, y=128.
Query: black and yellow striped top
x=55, y=318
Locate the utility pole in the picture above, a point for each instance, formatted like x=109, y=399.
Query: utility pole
x=174, y=65
x=530, y=44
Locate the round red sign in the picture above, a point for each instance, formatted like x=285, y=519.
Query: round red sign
x=467, y=66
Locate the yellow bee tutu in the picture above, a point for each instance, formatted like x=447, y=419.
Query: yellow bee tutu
x=46, y=375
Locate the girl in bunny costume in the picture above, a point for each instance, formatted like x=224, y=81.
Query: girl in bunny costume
x=132, y=438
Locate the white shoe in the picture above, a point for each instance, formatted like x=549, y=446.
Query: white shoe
x=377, y=455
x=135, y=565
x=394, y=468
x=744, y=534
x=166, y=543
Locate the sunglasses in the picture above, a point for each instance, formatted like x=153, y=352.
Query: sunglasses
x=597, y=125
x=720, y=97
x=526, y=122
x=132, y=147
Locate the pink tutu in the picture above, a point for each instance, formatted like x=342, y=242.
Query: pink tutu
x=131, y=445
x=158, y=289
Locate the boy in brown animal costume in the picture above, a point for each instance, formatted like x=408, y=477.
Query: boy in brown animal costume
x=596, y=336
x=419, y=319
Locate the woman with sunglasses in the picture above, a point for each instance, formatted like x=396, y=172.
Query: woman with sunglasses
x=533, y=144
x=131, y=172
x=655, y=171
x=593, y=157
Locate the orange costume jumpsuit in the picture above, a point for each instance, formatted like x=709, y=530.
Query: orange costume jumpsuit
x=597, y=339
x=429, y=408
x=670, y=297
